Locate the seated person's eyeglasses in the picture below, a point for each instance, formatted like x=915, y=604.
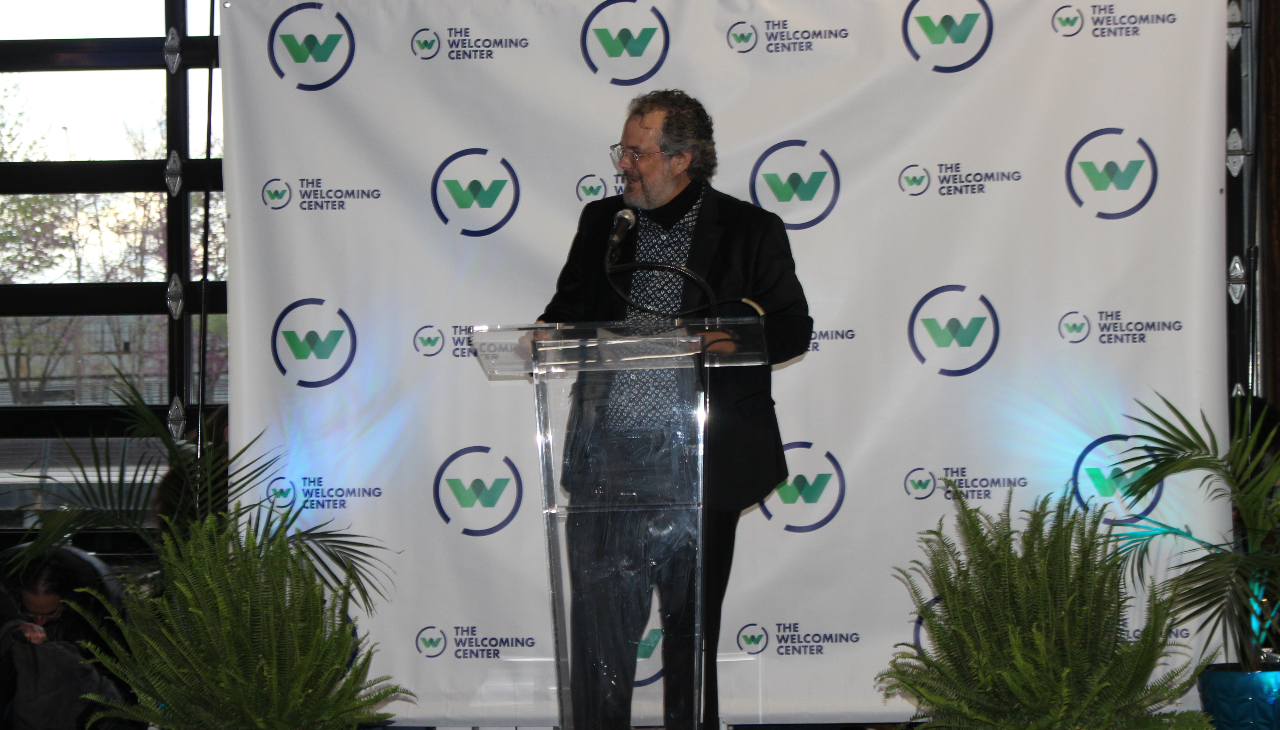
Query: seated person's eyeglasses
x=617, y=152
x=50, y=616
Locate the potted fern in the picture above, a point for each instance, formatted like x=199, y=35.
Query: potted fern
x=1026, y=629
x=241, y=620
x=238, y=633
x=1231, y=583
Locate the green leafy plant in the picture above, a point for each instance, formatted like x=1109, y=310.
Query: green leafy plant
x=198, y=483
x=1230, y=586
x=239, y=634
x=1026, y=629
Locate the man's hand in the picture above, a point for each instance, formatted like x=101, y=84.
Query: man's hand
x=32, y=633
x=524, y=346
x=718, y=343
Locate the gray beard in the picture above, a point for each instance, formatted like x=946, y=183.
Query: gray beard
x=647, y=199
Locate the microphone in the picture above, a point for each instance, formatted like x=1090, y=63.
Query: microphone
x=623, y=221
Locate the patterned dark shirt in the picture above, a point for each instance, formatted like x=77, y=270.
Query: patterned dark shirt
x=647, y=399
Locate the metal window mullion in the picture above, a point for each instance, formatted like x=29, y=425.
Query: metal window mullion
x=1254, y=186
x=178, y=222
x=1248, y=205
x=1242, y=340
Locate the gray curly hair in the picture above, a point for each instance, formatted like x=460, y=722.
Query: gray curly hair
x=687, y=128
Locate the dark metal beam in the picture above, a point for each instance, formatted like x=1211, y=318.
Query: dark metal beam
x=1267, y=35
x=178, y=211
x=63, y=421
x=117, y=176
x=62, y=300
x=85, y=54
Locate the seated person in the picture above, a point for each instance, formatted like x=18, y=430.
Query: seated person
x=46, y=587
x=43, y=686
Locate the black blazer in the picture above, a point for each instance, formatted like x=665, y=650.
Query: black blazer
x=742, y=251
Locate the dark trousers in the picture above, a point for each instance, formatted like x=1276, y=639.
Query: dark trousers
x=617, y=558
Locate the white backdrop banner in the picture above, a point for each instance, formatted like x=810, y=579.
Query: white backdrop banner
x=1007, y=216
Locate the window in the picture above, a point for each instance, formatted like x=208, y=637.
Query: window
x=91, y=236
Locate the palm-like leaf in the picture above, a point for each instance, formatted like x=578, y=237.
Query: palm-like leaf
x=1227, y=586
x=103, y=495
x=340, y=558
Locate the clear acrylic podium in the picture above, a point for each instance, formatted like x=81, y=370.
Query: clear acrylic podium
x=621, y=414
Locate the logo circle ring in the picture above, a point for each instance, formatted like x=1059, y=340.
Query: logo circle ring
x=444, y=642
x=288, y=188
x=927, y=180
x=906, y=483
x=991, y=29
x=1075, y=482
x=755, y=35
x=414, y=38
x=604, y=187
x=764, y=509
x=915, y=634
x=763, y=644
x=1055, y=17
x=650, y=679
x=835, y=178
x=346, y=27
x=995, y=333
x=1071, y=186
x=275, y=352
x=438, y=349
x=435, y=491
x=515, y=191
x=271, y=494
x=1087, y=325
x=586, y=55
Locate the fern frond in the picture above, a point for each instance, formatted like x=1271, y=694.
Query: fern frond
x=240, y=633
x=1026, y=629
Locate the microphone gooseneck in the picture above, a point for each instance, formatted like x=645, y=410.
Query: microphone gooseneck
x=623, y=221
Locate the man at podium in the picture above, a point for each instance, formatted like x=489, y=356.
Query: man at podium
x=716, y=250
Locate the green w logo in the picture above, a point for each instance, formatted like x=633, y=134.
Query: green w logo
x=913, y=180
x=1068, y=22
x=429, y=341
x=591, y=190
x=474, y=192
x=310, y=47
x=634, y=45
x=1074, y=329
x=487, y=496
x=426, y=45
x=800, y=488
x=938, y=33
x=1108, y=485
x=1111, y=173
x=920, y=483
x=750, y=640
x=276, y=194
x=650, y=642
x=944, y=336
x=280, y=493
x=795, y=186
x=311, y=342
x=432, y=643
x=741, y=37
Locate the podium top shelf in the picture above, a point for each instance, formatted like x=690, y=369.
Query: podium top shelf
x=551, y=350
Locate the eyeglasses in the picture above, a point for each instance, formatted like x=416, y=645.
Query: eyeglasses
x=51, y=616
x=618, y=152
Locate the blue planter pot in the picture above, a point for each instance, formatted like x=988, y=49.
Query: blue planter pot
x=1236, y=700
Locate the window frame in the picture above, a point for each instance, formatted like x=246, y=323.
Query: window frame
x=118, y=176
